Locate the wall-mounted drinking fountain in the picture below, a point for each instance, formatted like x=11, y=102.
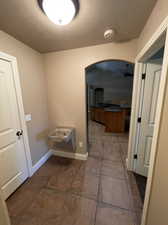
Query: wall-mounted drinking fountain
x=62, y=135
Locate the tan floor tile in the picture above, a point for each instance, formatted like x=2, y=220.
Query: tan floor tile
x=124, y=150
x=112, y=152
x=113, y=169
x=86, y=186
x=96, y=149
x=123, y=138
x=114, y=216
x=60, y=182
x=114, y=192
x=65, y=191
x=49, y=168
x=137, y=203
x=47, y=209
x=110, y=138
x=51, y=208
x=92, y=165
x=79, y=211
x=24, y=196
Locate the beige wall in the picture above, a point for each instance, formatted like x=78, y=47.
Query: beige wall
x=158, y=14
x=66, y=97
x=158, y=205
x=33, y=84
x=65, y=72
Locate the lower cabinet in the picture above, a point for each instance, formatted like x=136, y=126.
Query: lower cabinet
x=113, y=121
x=97, y=114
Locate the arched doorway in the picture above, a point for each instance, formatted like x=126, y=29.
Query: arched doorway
x=109, y=88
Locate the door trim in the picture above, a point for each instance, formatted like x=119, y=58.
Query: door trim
x=153, y=45
x=13, y=62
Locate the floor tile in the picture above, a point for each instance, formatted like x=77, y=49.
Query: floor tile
x=68, y=169
x=24, y=196
x=51, y=167
x=79, y=211
x=96, y=149
x=134, y=193
x=91, y=166
x=51, y=208
x=124, y=150
x=66, y=191
x=14, y=220
x=138, y=216
x=47, y=209
x=61, y=182
x=114, y=192
x=110, y=138
x=112, y=152
x=86, y=185
x=114, y=216
x=123, y=138
x=113, y=169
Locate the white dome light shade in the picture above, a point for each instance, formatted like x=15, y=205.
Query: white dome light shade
x=60, y=12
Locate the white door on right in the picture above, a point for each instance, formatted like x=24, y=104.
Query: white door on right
x=148, y=111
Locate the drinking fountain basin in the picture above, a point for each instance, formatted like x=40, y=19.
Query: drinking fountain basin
x=61, y=134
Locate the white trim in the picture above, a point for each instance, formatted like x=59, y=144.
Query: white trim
x=57, y=153
x=70, y=155
x=134, y=114
x=41, y=162
x=126, y=164
x=161, y=29
x=150, y=47
x=13, y=62
x=156, y=130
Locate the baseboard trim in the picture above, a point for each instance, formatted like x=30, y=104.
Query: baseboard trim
x=41, y=162
x=57, y=153
x=70, y=155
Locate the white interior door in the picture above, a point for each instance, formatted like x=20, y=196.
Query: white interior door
x=147, y=124
x=13, y=163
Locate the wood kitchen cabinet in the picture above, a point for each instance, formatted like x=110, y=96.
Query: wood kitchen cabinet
x=114, y=121
x=97, y=114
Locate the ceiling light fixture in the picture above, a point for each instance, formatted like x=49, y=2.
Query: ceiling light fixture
x=60, y=12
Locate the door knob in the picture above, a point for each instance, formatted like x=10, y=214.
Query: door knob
x=19, y=133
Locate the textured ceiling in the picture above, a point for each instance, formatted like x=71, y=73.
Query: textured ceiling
x=24, y=20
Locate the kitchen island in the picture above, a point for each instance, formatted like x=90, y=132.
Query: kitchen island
x=113, y=117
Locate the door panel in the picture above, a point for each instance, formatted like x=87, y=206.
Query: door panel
x=148, y=145
x=8, y=156
x=13, y=164
x=149, y=104
x=154, y=96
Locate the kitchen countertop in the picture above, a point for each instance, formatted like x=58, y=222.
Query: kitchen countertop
x=112, y=107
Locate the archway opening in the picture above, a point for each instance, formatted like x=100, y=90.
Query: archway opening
x=108, y=96
x=109, y=86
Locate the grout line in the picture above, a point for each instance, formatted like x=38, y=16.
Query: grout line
x=98, y=201
x=116, y=206
x=99, y=190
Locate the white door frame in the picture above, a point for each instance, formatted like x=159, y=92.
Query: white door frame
x=13, y=61
x=150, y=48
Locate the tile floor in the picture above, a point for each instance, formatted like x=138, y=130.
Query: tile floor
x=98, y=191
